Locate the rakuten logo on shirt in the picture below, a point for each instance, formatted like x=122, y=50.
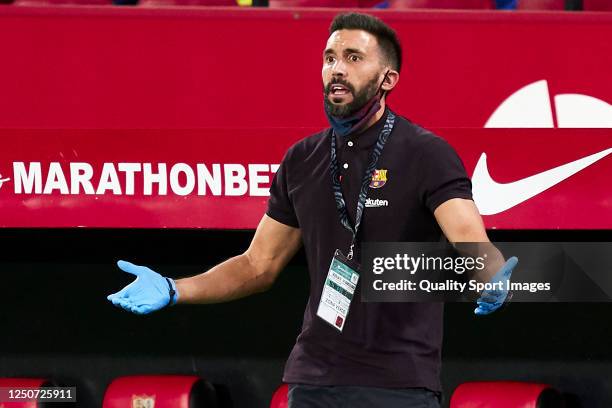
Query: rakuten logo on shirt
x=149, y=178
x=371, y=203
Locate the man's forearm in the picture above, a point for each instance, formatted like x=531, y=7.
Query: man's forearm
x=463, y=226
x=495, y=261
x=232, y=279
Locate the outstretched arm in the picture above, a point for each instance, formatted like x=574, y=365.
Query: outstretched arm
x=460, y=221
x=272, y=247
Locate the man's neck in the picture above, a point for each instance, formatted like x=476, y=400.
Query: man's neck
x=376, y=117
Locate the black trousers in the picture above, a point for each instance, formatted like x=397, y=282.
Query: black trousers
x=310, y=396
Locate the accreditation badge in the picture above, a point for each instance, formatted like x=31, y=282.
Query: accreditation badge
x=338, y=290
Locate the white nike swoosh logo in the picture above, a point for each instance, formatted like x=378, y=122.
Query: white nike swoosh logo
x=492, y=197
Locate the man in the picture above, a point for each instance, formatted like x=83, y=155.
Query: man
x=379, y=354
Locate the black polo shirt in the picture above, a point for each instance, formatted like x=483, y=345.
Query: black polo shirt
x=390, y=345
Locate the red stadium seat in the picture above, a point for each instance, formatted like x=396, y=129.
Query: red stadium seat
x=63, y=2
x=441, y=4
x=314, y=3
x=22, y=383
x=188, y=3
x=505, y=394
x=279, y=399
x=597, y=5
x=541, y=5
x=370, y=3
x=165, y=391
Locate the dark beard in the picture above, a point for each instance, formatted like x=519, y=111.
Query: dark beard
x=359, y=98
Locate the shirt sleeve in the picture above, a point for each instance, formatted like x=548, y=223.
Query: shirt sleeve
x=280, y=205
x=443, y=175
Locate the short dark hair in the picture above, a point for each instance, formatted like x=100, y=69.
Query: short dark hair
x=385, y=35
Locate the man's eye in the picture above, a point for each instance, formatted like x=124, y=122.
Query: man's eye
x=329, y=59
x=354, y=58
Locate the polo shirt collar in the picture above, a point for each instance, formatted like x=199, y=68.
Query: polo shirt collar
x=366, y=138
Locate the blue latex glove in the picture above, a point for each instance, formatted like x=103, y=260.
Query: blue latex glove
x=148, y=293
x=491, y=300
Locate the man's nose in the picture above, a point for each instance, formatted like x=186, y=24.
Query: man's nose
x=339, y=69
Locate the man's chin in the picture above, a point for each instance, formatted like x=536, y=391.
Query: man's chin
x=339, y=109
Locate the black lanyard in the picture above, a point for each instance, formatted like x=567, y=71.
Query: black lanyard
x=365, y=183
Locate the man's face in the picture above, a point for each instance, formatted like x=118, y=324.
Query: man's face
x=352, y=71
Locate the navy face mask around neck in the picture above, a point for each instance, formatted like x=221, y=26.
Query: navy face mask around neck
x=357, y=121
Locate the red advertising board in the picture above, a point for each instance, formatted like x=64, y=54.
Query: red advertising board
x=248, y=82
x=219, y=178
x=190, y=68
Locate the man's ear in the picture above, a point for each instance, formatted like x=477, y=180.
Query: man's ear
x=390, y=81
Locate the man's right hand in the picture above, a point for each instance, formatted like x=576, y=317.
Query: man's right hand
x=148, y=293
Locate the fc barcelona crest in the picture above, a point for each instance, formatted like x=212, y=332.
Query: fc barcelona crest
x=379, y=178
x=143, y=401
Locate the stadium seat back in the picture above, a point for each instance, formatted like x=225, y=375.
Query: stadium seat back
x=279, y=399
x=541, y=5
x=167, y=391
x=63, y=2
x=22, y=383
x=314, y=3
x=505, y=394
x=224, y=3
x=597, y=5
x=441, y=4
